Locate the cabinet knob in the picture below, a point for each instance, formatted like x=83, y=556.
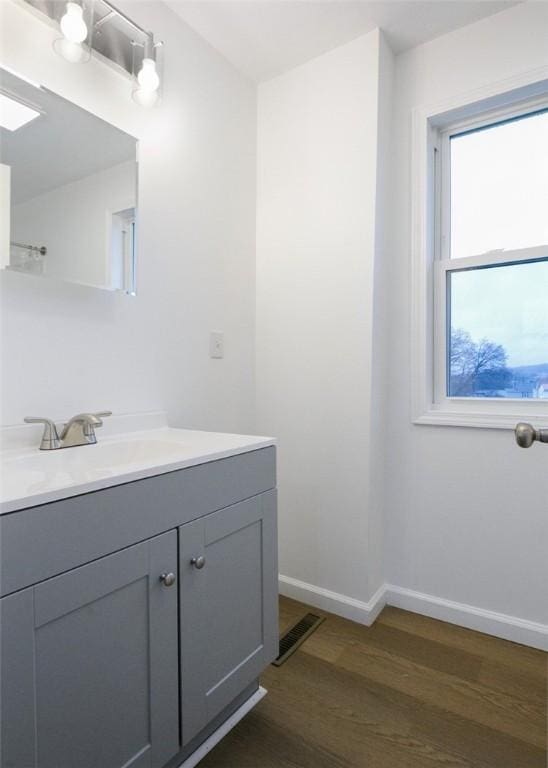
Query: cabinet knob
x=168, y=579
x=198, y=562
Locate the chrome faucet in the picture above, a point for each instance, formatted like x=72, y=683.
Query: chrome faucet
x=80, y=430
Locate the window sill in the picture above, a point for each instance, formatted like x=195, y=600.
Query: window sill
x=480, y=420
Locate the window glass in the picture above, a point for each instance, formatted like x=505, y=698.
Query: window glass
x=499, y=187
x=498, y=331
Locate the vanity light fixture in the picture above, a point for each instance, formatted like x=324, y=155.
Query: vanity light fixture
x=77, y=27
x=97, y=25
x=14, y=114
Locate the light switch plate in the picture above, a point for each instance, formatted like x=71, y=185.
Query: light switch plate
x=216, y=344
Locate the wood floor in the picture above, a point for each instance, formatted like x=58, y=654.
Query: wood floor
x=409, y=692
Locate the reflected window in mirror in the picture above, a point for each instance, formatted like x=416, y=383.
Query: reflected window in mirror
x=122, y=249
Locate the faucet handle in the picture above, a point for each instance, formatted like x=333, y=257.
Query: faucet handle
x=89, y=421
x=101, y=414
x=50, y=438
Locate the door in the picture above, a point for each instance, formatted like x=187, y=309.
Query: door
x=229, y=610
x=89, y=664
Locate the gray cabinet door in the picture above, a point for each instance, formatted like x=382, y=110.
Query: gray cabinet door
x=228, y=611
x=89, y=664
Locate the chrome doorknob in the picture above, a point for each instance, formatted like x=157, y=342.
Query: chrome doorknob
x=168, y=579
x=526, y=435
x=198, y=562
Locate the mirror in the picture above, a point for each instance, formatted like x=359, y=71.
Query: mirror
x=70, y=180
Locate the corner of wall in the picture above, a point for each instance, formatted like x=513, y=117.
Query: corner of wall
x=380, y=325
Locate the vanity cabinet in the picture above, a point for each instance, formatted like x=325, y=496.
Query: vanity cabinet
x=135, y=620
x=228, y=606
x=89, y=665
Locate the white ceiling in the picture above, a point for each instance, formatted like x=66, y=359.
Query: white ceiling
x=264, y=38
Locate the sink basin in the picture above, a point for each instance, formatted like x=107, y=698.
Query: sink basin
x=43, y=470
x=30, y=477
x=102, y=457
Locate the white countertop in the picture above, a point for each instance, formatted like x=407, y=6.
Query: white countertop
x=29, y=477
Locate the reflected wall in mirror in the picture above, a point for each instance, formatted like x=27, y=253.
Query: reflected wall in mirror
x=70, y=180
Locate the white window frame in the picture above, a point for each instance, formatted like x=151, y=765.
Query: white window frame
x=432, y=130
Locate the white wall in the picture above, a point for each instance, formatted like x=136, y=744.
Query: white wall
x=5, y=194
x=380, y=439
x=316, y=240
x=467, y=511
x=74, y=222
x=68, y=348
x=455, y=521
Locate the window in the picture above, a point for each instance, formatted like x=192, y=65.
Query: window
x=490, y=222
x=498, y=330
x=499, y=186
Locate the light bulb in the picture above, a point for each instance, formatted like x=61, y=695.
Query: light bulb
x=73, y=25
x=148, y=77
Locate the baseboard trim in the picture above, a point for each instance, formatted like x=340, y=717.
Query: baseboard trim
x=223, y=729
x=334, y=602
x=500, y=625
x=490, y=622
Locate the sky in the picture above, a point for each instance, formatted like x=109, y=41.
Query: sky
x=507, y=305
x=499, y=200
